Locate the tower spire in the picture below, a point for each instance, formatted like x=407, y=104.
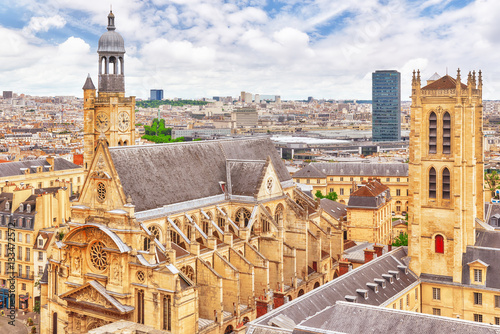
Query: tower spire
x=111, y=20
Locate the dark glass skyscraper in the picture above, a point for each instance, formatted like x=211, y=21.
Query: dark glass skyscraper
x=386, y=106
x=156, y=94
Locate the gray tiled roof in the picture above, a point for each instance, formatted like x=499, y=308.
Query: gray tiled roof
x=335, y=209
x=245, y=176
x=14, y=168
x=158, y=175
x=323, y=169
x=487, y=250
x=347, y=317
x=336, y=290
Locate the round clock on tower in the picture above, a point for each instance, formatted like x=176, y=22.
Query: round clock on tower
x=110, y=112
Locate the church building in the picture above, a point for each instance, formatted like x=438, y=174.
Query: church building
x=198, y=237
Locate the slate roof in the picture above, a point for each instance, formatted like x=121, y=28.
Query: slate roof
x=88, y=83
x=445, y=82
x=346, y=285
x=323, y=169
x=14, y=168
x=487, y=250
x=335, y=209
x=245, y=176
x=163, y=174
x=347, y=317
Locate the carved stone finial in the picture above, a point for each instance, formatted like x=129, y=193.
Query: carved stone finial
x=129, y=199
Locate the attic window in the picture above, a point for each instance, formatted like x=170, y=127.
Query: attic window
x=394, y=273
x=388, y=277
x=40, y=242
x=28, y=208
x=21, y=207
x=380, y=282
x=7, y=205
x=363, y=293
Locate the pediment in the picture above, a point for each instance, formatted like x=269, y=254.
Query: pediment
x=270, y=185
x=93, y=294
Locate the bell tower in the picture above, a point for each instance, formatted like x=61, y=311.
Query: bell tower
x=110, y=112
x=446, y=172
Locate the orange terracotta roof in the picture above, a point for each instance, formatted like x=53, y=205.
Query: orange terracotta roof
x=445, y=82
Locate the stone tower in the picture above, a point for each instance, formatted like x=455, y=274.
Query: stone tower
x=446, y=172
x=110, y=112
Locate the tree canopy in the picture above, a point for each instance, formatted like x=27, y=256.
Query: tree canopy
x=401, y=240
x=157, y=133
x=331, y=195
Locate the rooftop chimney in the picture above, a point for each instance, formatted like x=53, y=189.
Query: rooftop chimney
x=378, y=249
x=369, y=255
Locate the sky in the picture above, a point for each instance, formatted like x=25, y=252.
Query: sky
x=203, y=48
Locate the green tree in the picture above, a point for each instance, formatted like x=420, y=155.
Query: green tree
x=331, y=195
x=401, y=240
x=492, y=181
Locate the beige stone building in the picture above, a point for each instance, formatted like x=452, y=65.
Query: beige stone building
x=42, y=173
x=369, y=215
x=344, y=178
x=451, y=267
x=28, y=210
x=197, y=237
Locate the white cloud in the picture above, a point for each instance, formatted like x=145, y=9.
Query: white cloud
x=43, y=24
x=195, y=48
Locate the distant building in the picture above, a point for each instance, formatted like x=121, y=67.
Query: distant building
x=277, y=99
x=7, y=94
x=156, y=94
x=200, y=133
x=257, y=98
x=245, y=117
x=386, y=106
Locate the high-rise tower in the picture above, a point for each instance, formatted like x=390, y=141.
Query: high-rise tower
x=386, y=106
x=446, y=173
x=110, y=113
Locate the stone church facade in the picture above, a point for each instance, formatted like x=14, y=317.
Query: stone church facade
x=197, y=237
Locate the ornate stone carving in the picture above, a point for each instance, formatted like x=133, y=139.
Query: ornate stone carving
x=115, y=271
x=76, y=261
x=93, y=323
x=91, y=295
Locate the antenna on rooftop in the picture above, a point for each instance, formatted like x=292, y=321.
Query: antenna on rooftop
x=446, y=70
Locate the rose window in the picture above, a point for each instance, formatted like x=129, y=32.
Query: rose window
x=101, y=192
x=98, y=256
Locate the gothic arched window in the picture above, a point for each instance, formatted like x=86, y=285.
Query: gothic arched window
x=446, y=184
x=242, y=217
x=278, y=214
x=432, y=132
x=432, y=183
x=439, y=240
x=446, y=133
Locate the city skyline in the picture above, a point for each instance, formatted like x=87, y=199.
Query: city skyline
x=193, y=49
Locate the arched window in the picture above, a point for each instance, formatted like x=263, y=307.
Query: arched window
x=155, y=232
x=140, y=306
x=446, y=184
x=278, y=214
x=446, y=133
x=242, y=217
x=175, y=237
x=432, y=132
x=439, y=240
x=432, y=183
x=167, y=312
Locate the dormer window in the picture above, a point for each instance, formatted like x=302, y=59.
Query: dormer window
x=40, y=242
x=21, y=207
x=7, y=206
x=28, y=208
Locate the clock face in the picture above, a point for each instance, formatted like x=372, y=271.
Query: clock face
x=102, y=122
x=123, y=121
